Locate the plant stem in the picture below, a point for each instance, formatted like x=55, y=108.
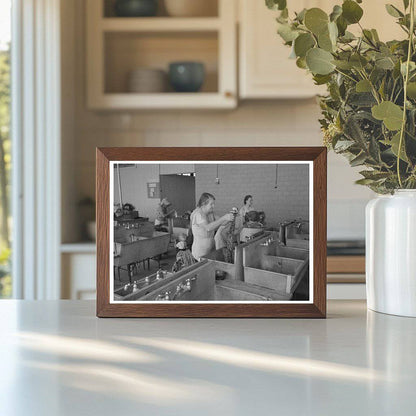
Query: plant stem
x=373, y=90
x=345, y=75
x=406, y=80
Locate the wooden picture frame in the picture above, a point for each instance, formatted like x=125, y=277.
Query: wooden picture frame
x=316, y=157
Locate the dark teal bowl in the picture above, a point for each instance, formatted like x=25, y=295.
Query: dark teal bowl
x=136, y=8
x=186, y=76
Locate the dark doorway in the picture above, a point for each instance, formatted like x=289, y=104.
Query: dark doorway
x=180, y=191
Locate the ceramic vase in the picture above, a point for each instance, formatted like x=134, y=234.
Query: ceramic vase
x=391, y=253
x=136, y=8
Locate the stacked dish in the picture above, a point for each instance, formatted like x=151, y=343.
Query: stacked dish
x=147, y=80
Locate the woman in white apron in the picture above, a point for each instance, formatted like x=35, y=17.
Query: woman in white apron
x=204, y=225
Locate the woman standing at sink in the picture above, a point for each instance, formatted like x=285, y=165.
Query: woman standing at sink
x=204, y=225
x=247, y=207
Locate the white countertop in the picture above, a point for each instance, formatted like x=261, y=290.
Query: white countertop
x=56, y=358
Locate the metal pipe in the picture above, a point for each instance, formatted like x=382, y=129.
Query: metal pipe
x=119, y=186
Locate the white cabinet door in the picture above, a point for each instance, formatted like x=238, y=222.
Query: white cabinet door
x=265, y=68
x=78, y=276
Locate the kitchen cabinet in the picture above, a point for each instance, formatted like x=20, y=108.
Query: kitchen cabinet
x=118, y=45
x=78, y=263
x=265, y=70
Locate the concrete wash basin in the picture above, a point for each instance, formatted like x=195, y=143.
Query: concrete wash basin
x=297, y=238
x=277, y=273
x=298, y=242
x=275, y=249
x=274, y=266
x=204, y=287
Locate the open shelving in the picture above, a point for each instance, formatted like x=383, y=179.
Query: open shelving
x=118, y=45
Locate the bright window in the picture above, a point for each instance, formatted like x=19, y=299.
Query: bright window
x=5, y=147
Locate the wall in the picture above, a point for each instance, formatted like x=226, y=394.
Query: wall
x=259, y=123
x=134, y=188
x=290, y=200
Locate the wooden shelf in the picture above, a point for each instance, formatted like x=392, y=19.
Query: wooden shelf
x=159, y=24
x=163, y=101
x=346, y=264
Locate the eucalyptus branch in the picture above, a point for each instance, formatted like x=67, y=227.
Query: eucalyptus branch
x=406, y=80
x=392, y=90
x=346, y=75
x=383, y=118
x=373, y=89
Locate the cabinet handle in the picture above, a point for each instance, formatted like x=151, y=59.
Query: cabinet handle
x=228, y=94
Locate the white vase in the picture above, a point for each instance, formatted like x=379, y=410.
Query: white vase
x=391, y=253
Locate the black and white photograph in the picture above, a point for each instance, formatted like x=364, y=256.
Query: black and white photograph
x=211, y=232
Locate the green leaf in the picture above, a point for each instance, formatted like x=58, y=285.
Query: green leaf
x=385, y=63
x=319, y=61
x=325, y=42
x=336, y=12
x=303, y=43
x=300, y=17
x=348, y=37
x=343, y=145
x=351, y=11
x=342, y=25
x=393, y=11
x=341, y=64
x=321, y=79
x=316, y=20
x=406, y=4
x=361, y=99
x=368, y=36
x=358, y=160
x=364, y=181
x=358, y=61
x=374, y=175
x=394, y=145
x=333, y=32
x=301, y=63
x=390, y=113
x=363, y=86
x=412, y=67
x=374, y=150
x=276, y=4
x=375, y=35
x=411, y=90
x=286, y=32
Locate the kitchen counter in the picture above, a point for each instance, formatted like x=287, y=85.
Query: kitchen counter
x=57, y=358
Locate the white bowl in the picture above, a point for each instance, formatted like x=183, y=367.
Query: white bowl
x=146, y=80
x=191, y=8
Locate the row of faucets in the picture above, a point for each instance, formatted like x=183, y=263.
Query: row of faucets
x=160, y=275
x=282, y=232
x=181, y=288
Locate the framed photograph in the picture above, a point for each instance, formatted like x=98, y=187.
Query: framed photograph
x=234, y=232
